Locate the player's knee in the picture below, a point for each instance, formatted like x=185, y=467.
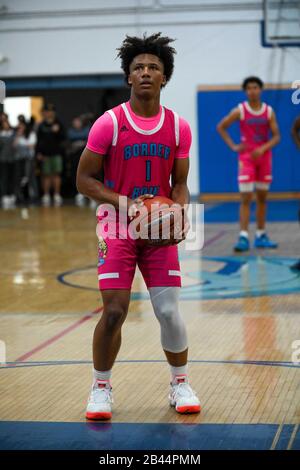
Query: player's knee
x=164, y=311
x=261, y=198
x=167, y=314
x=261, y=201
x=246, y=199
x=114, y=317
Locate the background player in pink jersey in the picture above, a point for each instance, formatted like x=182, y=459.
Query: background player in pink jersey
x=296, y=138
x=257, y=121
x=141, y=145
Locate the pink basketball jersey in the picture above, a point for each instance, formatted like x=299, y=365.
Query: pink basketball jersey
x=140, y=161
x=254, y=125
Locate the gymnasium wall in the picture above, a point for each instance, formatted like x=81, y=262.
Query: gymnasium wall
x=218, y=42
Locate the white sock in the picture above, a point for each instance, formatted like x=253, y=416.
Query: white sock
x=260, y=232
x=102, y=375
x=244, y=233
x=176, y=371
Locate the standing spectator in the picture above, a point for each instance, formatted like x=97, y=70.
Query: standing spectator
x=21, y=119
x=77, y=137
x=3, y=117
x=24, y=143
x=50, y=136
x=296, y=137
x=32, y=123
x=7, y=163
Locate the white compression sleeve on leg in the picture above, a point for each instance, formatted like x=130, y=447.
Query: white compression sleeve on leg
x=165, y=305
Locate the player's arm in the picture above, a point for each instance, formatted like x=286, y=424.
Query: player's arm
x=89, y=168
x=223, y=125
x=91, y=163
x=272, y=142
x=296, y=132
x=180, y=192
x=88, y=171
x=275, y=139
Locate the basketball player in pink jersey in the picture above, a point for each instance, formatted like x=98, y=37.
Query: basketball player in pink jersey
x=257, y=121
x=296, y=138
x=141, y=145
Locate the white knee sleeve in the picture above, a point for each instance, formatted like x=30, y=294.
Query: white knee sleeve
x=165, y=305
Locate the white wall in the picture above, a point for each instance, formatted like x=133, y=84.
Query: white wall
x=16, y=105
x=217, y=43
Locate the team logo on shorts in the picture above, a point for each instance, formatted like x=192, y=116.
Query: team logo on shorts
x=102, y=251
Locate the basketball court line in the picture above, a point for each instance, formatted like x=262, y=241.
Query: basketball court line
x=54, y=338
x=293, y=437
x=216, y=237
x=276, y=437
x=22, y=364
x=285, y=436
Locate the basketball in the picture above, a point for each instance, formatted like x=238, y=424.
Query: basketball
x=160, y=221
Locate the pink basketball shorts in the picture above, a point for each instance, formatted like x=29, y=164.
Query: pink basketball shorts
x=255, y=170
x=118, y=257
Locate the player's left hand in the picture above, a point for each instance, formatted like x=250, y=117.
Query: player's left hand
x=257, y=152
x=134, y=205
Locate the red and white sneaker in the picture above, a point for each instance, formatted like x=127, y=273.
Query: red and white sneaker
x=182, y=397
x=100, y=401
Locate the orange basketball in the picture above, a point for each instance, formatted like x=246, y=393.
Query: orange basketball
x=159, y=221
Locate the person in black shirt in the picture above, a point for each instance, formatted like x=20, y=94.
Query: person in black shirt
x=50, y=136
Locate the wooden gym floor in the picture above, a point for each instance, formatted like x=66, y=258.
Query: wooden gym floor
x=242, y=314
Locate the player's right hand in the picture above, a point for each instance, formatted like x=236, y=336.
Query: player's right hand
x=239, y=147
x=134, y=205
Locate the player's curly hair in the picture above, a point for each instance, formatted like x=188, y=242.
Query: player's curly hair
x=253, y=79
x=155, y=44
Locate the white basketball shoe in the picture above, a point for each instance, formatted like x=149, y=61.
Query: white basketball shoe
x=183, y=397
x=100, y=401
